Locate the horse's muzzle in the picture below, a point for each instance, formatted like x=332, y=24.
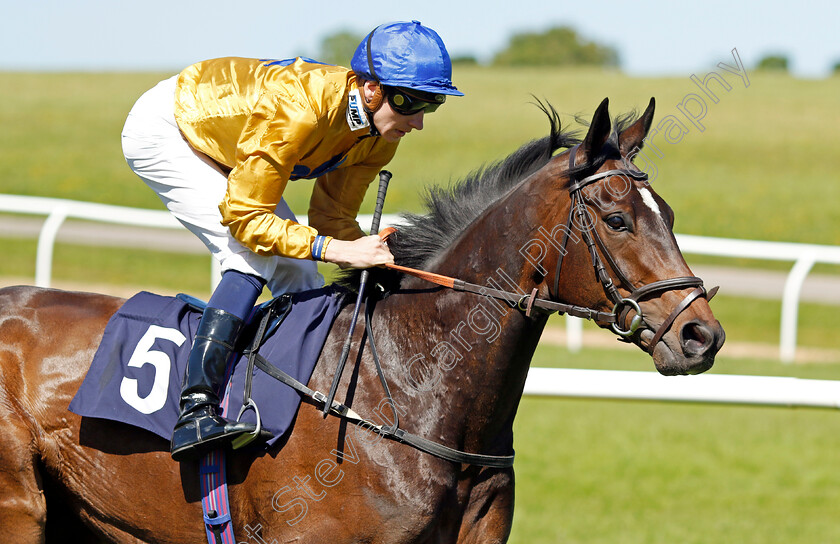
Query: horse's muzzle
x=697, y=342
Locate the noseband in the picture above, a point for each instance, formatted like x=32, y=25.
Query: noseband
x=622, y=305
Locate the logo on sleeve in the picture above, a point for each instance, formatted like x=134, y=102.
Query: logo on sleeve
x=356, y=117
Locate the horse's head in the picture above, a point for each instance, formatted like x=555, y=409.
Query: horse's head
x=618, y=225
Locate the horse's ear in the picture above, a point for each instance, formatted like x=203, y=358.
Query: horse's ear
x=633, y=137
x=599, y=131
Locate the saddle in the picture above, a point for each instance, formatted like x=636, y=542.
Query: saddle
x=136, y=374
x=274, y=310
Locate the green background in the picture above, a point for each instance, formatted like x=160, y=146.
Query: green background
x=764, y=168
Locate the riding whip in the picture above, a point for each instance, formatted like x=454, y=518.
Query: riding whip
x=384, y=178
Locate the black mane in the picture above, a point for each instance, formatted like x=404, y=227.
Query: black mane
x=420, y=238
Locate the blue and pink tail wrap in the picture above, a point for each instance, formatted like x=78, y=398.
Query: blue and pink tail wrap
x=214, y=492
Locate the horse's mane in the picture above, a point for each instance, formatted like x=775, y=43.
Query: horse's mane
x=420, y=237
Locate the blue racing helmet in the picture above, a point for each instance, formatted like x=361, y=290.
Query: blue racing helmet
x=407, y=55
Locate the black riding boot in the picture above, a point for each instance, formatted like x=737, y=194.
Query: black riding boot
x=200, y=428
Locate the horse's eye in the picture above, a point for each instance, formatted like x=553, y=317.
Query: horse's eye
x=616, y=222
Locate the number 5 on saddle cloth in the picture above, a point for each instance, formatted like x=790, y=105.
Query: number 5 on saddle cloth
x=136, y=373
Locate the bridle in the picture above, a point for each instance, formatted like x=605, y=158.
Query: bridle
x=528, y=302
x=622, y=305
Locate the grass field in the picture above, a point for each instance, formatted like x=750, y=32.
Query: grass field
x=760, y=169
x=620, y=472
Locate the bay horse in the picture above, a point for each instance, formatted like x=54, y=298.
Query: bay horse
x=455, y=361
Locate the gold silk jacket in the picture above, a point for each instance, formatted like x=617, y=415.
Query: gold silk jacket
x=268, y=122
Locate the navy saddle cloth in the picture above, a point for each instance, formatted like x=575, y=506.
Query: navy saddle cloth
x=136, y=374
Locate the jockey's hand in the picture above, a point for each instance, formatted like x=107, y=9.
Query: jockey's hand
x=362, y=253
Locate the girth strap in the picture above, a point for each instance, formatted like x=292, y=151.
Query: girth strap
x=400, y=435
x=423, y=444
x=444, y=452
x=392, y=432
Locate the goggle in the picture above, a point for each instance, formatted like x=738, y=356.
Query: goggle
x=405, y=103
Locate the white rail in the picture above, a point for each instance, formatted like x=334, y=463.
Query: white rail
x=803, y=256
x=705, y=388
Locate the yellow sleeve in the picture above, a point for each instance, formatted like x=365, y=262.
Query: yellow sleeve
x=270, y=145
x=338, y=195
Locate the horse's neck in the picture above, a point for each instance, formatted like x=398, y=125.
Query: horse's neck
x=481, y=348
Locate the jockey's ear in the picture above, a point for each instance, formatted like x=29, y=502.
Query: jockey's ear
x=631, y=139
x=599, y=131
x=372, y=95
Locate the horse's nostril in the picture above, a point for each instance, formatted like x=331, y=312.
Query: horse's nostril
x=696, y=338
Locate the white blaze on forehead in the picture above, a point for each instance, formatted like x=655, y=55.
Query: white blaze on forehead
x=647, y=198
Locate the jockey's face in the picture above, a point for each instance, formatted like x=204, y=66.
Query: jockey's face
x=390, y=124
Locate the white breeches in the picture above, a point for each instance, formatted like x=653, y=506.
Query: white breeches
x=192, y=187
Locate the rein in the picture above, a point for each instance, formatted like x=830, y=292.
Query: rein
x=527, y=302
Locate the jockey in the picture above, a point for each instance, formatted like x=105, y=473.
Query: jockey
x=218, y=144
